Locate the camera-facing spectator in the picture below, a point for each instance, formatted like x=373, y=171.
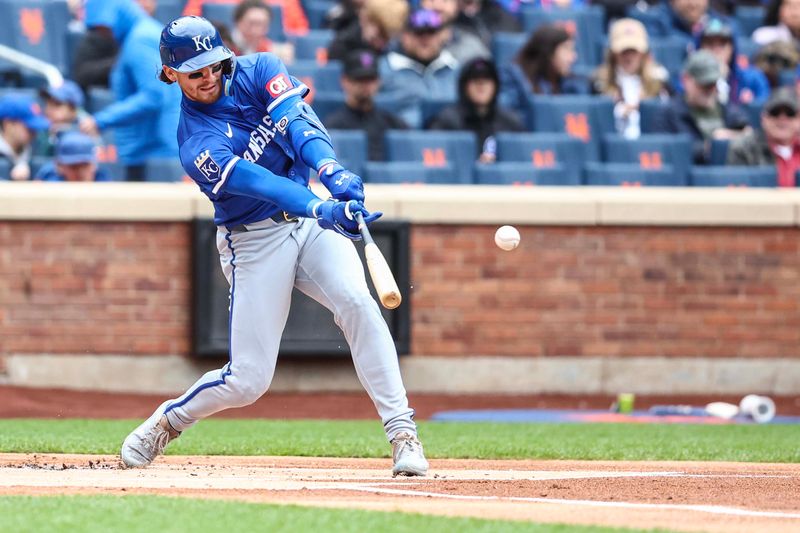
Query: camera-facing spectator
x=483, y=18
x=20, y=118
x=779, y=141
x=421, y=68
x=542, y=66
x=361, y=81
x=295, y=21
x=63, y=107
x=75, y=160
x=96, y=52
x=681, y=18
x=629, y=74
x=462, y=44
x=781, y=23
x=477, y=108
x=738, y=84
x=699, y=112
x=377, y=23
x=776, y=58
x=251, y=23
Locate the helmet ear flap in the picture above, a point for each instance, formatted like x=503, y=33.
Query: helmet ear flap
x=227, y=67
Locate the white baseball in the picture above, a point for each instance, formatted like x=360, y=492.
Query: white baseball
x=506, y=238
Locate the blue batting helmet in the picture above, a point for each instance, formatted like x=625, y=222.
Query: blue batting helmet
x=191, y=43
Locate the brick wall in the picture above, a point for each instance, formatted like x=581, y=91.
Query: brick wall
x=125, y=288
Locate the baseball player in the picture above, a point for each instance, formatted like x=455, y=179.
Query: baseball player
x=248, y=140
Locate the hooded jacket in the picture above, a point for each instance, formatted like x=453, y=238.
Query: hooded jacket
x=145, y=114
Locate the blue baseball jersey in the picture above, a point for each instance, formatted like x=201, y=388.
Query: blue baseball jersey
x=214, y=137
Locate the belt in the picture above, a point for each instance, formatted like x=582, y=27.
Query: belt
x=281, y=217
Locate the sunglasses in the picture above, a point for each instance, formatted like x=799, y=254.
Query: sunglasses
x=199, y=74
x=778, y=111
x=777, y=61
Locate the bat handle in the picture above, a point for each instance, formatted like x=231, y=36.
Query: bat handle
x=363, y=229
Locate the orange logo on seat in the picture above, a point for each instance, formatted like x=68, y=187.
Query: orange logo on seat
x=577, y=125
x=543, y=158
x=434, y=157
x=631, y=184
x=650, y=160
x=32, y=24
x=322, y=56
x=568, y=25
x=107, y=153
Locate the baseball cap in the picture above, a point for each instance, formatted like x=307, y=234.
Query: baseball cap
x=627, y=34
x=74, y=147
x=20, y=106
x=783, y=97
x=424, y=20
x=478, y=69
x=360, y=65
x=703, y=67
x=68, y=93
x=717, y=28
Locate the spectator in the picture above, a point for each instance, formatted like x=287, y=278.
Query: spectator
x=75, y=160
x=740, y=85
x=681, y=18
x=542, y=66
x=361, y=81
x=699, y=112
x=63, y=106
x=483, y=18
x=343, y=14
x=20, y=119
x=295, y=21
x=377, y=23
x=421, y=68
x=462, y=44
x=781, y=23
x=95, y=54
x=145, y=114
x=630, y=74
x=778, y=144
x=776, y=58
x=477, y=108
x=251, y=21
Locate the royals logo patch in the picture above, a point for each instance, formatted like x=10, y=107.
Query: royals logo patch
x=277, y=85
x=207, y=166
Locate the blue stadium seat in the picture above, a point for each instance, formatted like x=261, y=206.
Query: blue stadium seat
x=410, y=172
x=650, y=111
x=754, y=112
x=505, y=46
x=747, y=47
x=670, y=52
x=631, y=175
x=543, y=151
x=224, y=13
x=325, y=102
x=432, y=107
x=519, y=173
x=351, y=148
x=434, y=149
x=318, y=77
x=651, y=152
x=586, y=118
x=37, y=28
x=168, y=10
x=586, y=24
x=734, y=176
x=719, y=152
x=313, y=46
x=749, y=18
x=114, y=171
x=5, y=169
x=37, y=162
x=98, y=98
x=316, y=10
x=168, y=169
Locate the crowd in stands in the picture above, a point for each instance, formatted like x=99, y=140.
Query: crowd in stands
x=399, y=81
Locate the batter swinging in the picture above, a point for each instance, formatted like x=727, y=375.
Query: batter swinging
x=248, y=140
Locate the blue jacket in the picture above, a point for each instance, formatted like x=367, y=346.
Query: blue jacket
x=145, y=114
x=515, y=88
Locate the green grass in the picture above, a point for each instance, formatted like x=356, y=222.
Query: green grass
x=102, y=514
x=751, y=443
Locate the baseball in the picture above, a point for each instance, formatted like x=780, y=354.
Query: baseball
x=506, y=238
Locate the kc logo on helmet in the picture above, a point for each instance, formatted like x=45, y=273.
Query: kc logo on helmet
x=202, y=42
x=277, y=85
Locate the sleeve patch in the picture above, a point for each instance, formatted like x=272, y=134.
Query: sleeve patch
x=277, y=85
x=206, y=164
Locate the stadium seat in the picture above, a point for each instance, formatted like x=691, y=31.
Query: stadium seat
x=734, y=176
x=313, y=46
x=98, y=98
x=37, y=162
x=519, y=173
x=435, y=149
x=631, y=175
x=409, y=172
x=325, y=102
x=224, y=13
x=586, y=118
x=168, y=10
x=114, y=171
x=650, y=111
x=719, y=152
x=316, y=11
x=505, y=46
x=651, y=152
x=5, y=169
x=753, y=110
x=37, y=28
x=107, y=147
x=670, y=52
x=168, y=169
x=543, y=151
x=351, y=148
x=318, y=77
x=749, y=18
x=586, y=24
x=432, y=107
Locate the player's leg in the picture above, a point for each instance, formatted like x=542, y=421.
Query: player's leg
x=331, y=272
x=260, y=267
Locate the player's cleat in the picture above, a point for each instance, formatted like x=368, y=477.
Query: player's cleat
x=408, y=457
x=148, y=441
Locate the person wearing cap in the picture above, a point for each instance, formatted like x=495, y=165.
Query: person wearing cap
x=251, y=24
x=20, y=118
x=462, y=44
x=781, y=23
x=740, y=84
x=360, y=82
x=378, y=22
x=630, y=74
x=682, y=18
x=778, y=142
x=698, y=111
x=144, y=116
x=421, y=68
x=63, y=107
x=75, y=160
x=484, y=18
x=477, y=109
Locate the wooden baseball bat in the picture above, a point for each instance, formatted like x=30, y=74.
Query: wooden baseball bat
x=379, y=271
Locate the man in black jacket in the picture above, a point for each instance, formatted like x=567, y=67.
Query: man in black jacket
x=361, y=81
x=477, y=108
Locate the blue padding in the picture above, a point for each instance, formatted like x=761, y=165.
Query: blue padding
x=585, y=117
x=407, y=172
x=630, y=174
x=351, y=148
x=518, y=173
x=651, y=150
x=730, y=176
x=434, y=148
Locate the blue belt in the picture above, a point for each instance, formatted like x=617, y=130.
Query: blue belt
x=281, y=217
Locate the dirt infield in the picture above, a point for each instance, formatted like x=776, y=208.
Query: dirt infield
x=689, y=496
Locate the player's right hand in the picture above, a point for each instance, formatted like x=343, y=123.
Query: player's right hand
x=339, y=216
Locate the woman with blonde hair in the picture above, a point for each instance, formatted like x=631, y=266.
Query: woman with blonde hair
x=629, y=74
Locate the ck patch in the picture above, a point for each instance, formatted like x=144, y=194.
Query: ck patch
x=277, y=85
x=207, y=166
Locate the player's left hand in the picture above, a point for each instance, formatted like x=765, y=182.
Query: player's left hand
x=342, y=184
